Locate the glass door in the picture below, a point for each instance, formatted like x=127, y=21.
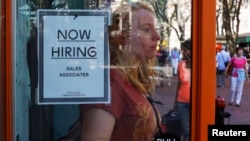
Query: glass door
x=51, y=122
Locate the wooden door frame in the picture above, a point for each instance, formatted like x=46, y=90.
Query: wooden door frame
x=203, y=69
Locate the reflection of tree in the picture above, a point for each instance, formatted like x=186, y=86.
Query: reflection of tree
x=42, y=4
x=229, y=11
x=174, y=14
x=62, y=4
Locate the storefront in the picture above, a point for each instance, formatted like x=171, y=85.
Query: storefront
x=24, y=120
x=243, y=40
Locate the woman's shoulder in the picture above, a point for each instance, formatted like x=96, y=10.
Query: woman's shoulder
x=182, y=62
x=232, y=58
x=116, y=75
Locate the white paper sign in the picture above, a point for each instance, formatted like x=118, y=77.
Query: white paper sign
x=73, y=57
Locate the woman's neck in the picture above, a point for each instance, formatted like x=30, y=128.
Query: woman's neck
x=239, y=56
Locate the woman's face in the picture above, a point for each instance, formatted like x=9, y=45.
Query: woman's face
x=144, y=37
x=240, y=52
x=185, y=52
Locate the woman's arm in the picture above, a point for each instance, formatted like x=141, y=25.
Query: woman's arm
x=178, y=86
x=229, y=63
x=246, y=70
x=97, y=125
x=227, y=67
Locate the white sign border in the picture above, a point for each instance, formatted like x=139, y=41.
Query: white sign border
x=49, y=101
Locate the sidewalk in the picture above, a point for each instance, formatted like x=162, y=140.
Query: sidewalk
x=240, y=115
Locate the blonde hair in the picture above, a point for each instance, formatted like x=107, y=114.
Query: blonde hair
x=140, y=75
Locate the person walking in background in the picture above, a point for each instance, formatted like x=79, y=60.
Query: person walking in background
x=129, y=116
x=238, y=76
x=183, y=89
x=246, y=53
x=175, y=58
x=162, y=58
x=221, y=58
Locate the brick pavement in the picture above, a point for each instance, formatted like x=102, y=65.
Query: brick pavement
x=240, y=115
x=166, y=95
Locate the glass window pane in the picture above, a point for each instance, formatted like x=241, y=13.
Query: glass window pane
x=150, y=52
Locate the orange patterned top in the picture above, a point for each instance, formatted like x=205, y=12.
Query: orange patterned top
x=135, y=118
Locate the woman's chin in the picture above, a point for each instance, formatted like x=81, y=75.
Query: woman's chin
x=151, y=56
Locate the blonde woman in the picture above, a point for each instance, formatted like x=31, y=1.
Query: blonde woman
x=129, y=117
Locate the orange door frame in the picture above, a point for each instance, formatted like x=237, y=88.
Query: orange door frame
x=8, y=71
x=203, y=69
x=2, y=74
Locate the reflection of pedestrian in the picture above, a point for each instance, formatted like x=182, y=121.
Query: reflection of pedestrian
x=239, y=74
x=221, y=58
x=175, y=58
x=247, y=53
x=183, y=89
x=162, y=56
x=129, y=116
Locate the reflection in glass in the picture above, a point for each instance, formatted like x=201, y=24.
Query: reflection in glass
x=51, y=122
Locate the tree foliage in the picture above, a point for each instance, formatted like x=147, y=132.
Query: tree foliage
x=173, y=15
x=229, y=10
